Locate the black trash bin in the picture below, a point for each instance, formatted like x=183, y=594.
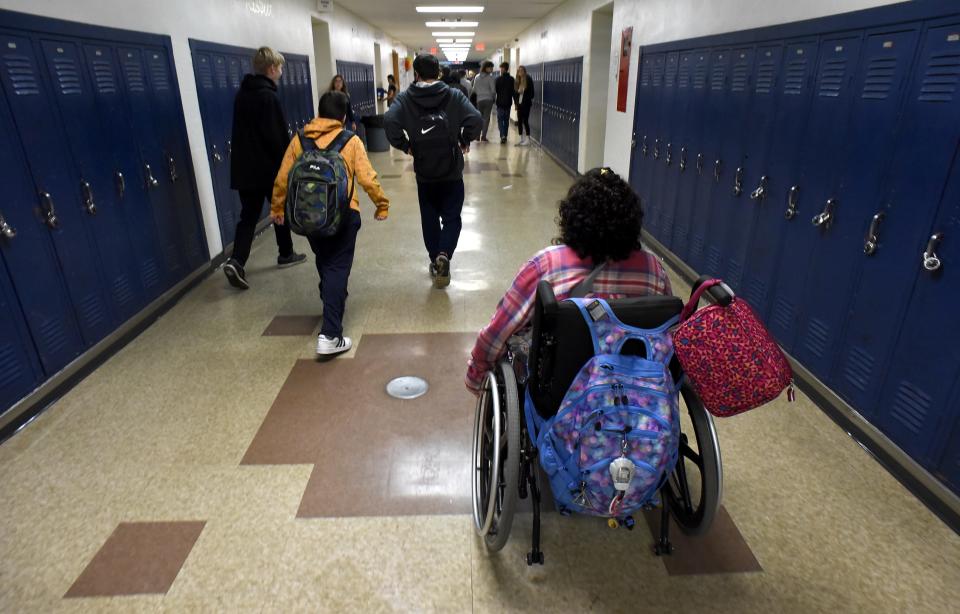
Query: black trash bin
x=376, y=135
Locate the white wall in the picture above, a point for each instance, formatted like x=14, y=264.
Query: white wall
x=655, y=21
x=281, y=24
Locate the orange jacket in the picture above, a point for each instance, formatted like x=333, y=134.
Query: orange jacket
x=323, y=131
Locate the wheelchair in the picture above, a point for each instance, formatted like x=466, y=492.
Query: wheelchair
x=505, y=467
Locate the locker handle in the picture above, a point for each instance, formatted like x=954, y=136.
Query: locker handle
x=216, y=154
x=716, y=170
x=825, y=217
x=49, y=213
x=669, y=159
x=761, y=192
x=151, y=180
x=88, y=203
x=793, y=199
x=644, y=147
x=738, y=182
x=699, y=164
x=6, y=229
x=121, y=183
x=930, y=260
x=172, y=169
x=683, y=159
x=656, y=149
x=229, y=147
x=872, y=241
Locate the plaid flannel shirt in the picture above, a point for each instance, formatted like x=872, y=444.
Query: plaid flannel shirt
x=639, y=275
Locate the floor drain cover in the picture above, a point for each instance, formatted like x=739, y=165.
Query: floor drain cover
x=407, y=387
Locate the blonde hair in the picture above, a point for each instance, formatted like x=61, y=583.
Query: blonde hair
x=521, y=81
x=265, y=57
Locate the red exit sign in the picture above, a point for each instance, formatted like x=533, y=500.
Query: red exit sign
x=433, y=51
x=481, y=46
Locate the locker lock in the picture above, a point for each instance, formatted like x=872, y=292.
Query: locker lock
x=824, y=218
x=699, y=164
x=930, y=260
x=6, y=229
x=738, y=182
x=761, y=192
x=656, y=149
x=683, y=159
x=716, y=170
x=151, y=180
x=872, y=241
x=88, y=203
x=793, y=199
x=49, y=213
x=669, y=159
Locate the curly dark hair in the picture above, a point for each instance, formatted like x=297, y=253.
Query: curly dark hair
x=601, y=217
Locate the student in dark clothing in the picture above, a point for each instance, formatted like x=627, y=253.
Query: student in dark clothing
x=391, y=89
x=505, y=97
x=437, y=157
x=337, y=84
x=259, y=140
x=524, y=102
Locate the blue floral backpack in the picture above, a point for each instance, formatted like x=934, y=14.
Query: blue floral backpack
x=614, y=440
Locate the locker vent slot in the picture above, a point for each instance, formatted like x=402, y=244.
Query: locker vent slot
x=221, y=74
x=700, y=76
x=858, y=369
x=713, y=260
x=795, y=77
x=91, y=311
x=683, y=77
x=10, y=367
x=766, y=79
x=170, y=253
x=756, y=293
x=122, y=293
x=681, y=237
x=68, y=77
x=783, y=314
x=941, y=78
x=718, y=76
x=910, y=407
x=670, y=79
x=697, y=247
x=818, y=335
x=235, y=75
x=159, y=75
x=134, y=73
x=879, y=79
x=21, y=74
x=205, y=73
x=831, y=77
x=150, y=273
x=735, y=270
x=104, y=77
x=52, y=337
x=657, y=74
x=740, y=74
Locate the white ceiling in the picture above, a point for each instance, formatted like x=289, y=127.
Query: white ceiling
x=500, y=22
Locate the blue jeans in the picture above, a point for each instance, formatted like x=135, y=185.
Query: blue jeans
x=503, y=120
x=440, y=207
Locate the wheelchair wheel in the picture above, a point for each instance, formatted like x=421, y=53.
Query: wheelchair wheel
x=496, y=457
x=696, y=485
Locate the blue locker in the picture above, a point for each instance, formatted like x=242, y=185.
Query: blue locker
x=30, y=256
x=677, y=155
x=59, y=198
x=924, y=155
x=691, y=177
x=662, y=145
x=777, y=213
x=756, y=128
x=821, y=156
x=93, y=158
x=127, y=184
x=217, y=112
x=886, y=60
x=646, y=123
x=727, y=198
x=714, y=166
x=19, y=370
x=948, y=469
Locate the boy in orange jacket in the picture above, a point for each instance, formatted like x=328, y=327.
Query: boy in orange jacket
x=334, y=254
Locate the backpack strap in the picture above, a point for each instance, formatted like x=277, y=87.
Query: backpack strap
x=609, y=334
x=585, y=286
x=306, y=143
x=337, y=144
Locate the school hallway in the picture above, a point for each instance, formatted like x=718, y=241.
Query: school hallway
x=215, y=457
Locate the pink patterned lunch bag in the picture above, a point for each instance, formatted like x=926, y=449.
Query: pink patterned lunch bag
x=732, y=361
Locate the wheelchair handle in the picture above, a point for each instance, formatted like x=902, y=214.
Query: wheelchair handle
x=719, y=291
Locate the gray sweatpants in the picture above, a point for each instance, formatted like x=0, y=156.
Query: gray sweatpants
x=485, y=107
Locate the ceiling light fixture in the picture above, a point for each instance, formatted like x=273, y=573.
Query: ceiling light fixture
x=452, y=24
x=449, y=9
x=442, y=34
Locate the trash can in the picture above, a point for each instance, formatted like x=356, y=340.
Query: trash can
x=376, y=135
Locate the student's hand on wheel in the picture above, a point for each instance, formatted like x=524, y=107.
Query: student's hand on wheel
x=277, y=219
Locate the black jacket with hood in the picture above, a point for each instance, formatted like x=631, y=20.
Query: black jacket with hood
x=259, y=137
x=403, y=117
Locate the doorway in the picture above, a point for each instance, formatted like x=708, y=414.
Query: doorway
x=597, y=84
x=322, y=56
x=378, y=78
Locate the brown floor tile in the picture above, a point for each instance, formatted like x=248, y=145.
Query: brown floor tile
x=722, y=550
x=138, y=558
x=295, y=326
x=511, y=174
x=390, y=176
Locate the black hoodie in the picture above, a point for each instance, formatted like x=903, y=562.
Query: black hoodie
x=403, y=117
x=259, y=135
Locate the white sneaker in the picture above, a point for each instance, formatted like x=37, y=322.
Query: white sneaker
x=524, y=141
x=331, y=346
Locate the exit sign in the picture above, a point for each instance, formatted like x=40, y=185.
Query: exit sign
x=481, y=46
x=433, y=51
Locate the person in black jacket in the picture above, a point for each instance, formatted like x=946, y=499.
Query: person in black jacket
x=435, y=124
x=339, y=84
x=505, y=97
x=524, y=101
x=259, y=141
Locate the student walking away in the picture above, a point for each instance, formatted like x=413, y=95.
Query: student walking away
x=467, y=86
x=505, y=88
x=329, y=216
x=391, y=89
x=258, y=140
x=485, y=88
x=337, y=84
x=524, y=101
x=441, y=123
x=452, y=80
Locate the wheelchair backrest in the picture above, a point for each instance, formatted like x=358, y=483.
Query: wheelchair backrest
x=561, y=342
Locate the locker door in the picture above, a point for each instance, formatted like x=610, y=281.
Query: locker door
x=93, y=159
x=59, y=199
x=219, y=150
x=577, y=99
x=794, y=93
x=677, y=146
x=885, y=65
x=30, y=256
x=948, y=469
x=19, y=370
x=212, y=116
x=755, y=132
x=127, y=186
x=691, y=178
x=308, y=110
x=821, y=157
x=645, y=123
x=715, y=169
x=923, y=157
x=662, y=146
x=146, y=135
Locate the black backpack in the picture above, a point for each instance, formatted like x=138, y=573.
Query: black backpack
x=319, y=188
x=434, y=152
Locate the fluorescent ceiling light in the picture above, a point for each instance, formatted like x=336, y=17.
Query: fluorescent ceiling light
x=455, y=47
x=449, y=9
x=444, y=40
x=453, y=24
x=448, y=34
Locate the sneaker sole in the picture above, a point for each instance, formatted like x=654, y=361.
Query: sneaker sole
x=325, y=356
x=287, y=265
x=235, y=280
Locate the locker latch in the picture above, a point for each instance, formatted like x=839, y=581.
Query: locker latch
x=683, y=159
x=6, y=229
x=716, y=170
x=172, y=169
x=738, y=182
x=699, y=164
x=656, y=149
x=88, y=203
x=824, y=218
x=151, y=180
x=49, y=213
x=216, y=154
x=793, y=200
x=873, y=239
x=229, y=147
x=761, y=192
x=121, y=183
x=930, y=260
x=669, y=154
